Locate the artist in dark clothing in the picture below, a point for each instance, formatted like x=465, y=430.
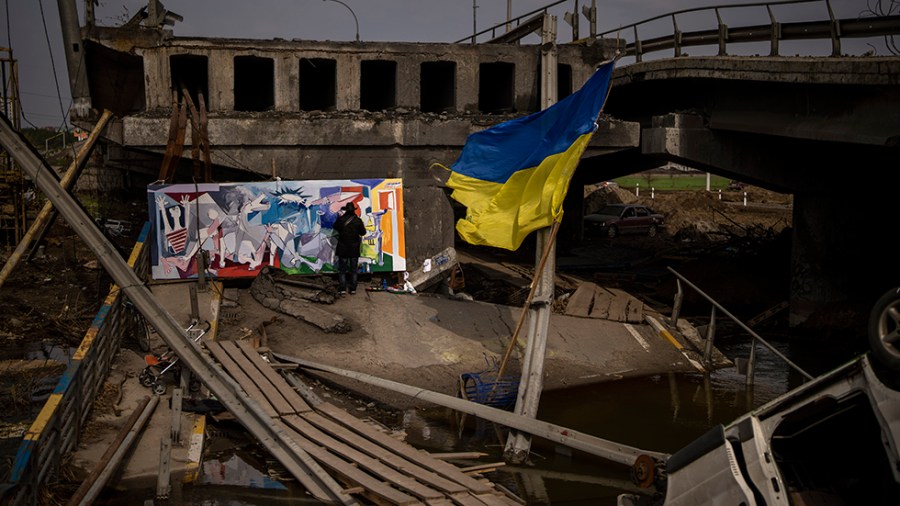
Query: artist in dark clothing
x=350, y=231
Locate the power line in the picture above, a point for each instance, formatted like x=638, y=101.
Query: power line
x=52, y=64
x=38, y=94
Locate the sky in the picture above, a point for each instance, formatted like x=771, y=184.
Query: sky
x=31, y=28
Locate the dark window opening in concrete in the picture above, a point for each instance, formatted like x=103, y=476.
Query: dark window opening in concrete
x=496, y=88
x=438, y=86
x=254, y=83
x=190, y=72
x=378, y=85
x=563, y=84
x=318, y=84
x=115, y=79
x=563, y=81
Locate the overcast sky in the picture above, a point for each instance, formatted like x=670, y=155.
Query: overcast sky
x=32, y=28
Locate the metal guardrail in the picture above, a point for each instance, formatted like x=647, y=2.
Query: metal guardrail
x=828, y=28
x=58, y=426
x=831, y=28
x=711, y=329
x=511, y=23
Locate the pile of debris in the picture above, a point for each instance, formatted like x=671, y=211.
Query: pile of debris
x=301, y=298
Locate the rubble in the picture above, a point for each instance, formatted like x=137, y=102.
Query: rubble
x=298, y=299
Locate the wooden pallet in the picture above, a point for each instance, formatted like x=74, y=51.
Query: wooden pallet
x=369, y=463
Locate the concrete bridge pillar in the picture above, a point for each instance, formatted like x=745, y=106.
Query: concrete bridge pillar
x=840, y=262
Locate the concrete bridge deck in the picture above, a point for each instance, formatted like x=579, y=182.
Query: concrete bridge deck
x=424, y=341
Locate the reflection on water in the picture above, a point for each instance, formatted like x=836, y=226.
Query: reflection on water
x=232, y=469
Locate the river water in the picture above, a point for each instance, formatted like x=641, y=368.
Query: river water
x=662, y=413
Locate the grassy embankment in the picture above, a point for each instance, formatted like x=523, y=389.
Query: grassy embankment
x=669, y=182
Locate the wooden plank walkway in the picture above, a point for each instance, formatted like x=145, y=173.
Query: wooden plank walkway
x=373, y=466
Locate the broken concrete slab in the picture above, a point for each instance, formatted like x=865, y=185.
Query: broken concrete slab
x=433, y=269
x=295, y=301
x=593, y=301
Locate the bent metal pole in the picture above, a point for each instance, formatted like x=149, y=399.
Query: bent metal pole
x=249, y=412
x=593, y=445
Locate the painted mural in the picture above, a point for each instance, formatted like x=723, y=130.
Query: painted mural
x=243, y=227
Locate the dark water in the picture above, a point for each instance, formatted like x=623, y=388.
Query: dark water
x=661, y=413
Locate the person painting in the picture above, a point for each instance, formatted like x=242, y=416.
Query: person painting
x=351, y=230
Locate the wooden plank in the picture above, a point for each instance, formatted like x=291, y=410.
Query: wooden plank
x=296, y=402
x=170, y=145
x=465, y=499
x=175, y=146
x=387, y=457
x=246, y=383
x=195, y=134
x=495, y=499
x=270, y=391
x=580, y=302
x=423, y=459
x=204, y=140
x=402, y=481
x=375, y=490
x=179, y=142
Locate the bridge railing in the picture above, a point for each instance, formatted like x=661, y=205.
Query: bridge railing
x=828, y=28
x=500, y=28
x=711, y=330
x=637, y=43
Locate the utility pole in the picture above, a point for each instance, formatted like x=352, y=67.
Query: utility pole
x=474, y=19
x=518, y=444
x=68, y=20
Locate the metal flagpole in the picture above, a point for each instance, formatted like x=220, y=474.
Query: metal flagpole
x=518, y=444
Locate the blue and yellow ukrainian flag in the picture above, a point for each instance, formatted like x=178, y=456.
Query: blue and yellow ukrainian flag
x=513, y=177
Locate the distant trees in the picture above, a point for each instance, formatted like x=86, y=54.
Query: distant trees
x=47, y=137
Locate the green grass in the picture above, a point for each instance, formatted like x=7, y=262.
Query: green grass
x=665, y=182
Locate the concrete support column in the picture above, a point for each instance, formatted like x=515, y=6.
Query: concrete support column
x=157, y=77
x=467, y=85
x=348, y=76
x=840, y=264
x=409, y=82
x=75, y=61
x=221, y=81
x=287, y=83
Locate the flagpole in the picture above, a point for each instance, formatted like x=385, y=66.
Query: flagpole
x=528, y=300
x=518, y=444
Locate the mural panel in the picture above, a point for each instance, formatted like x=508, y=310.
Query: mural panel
x=243, y=227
